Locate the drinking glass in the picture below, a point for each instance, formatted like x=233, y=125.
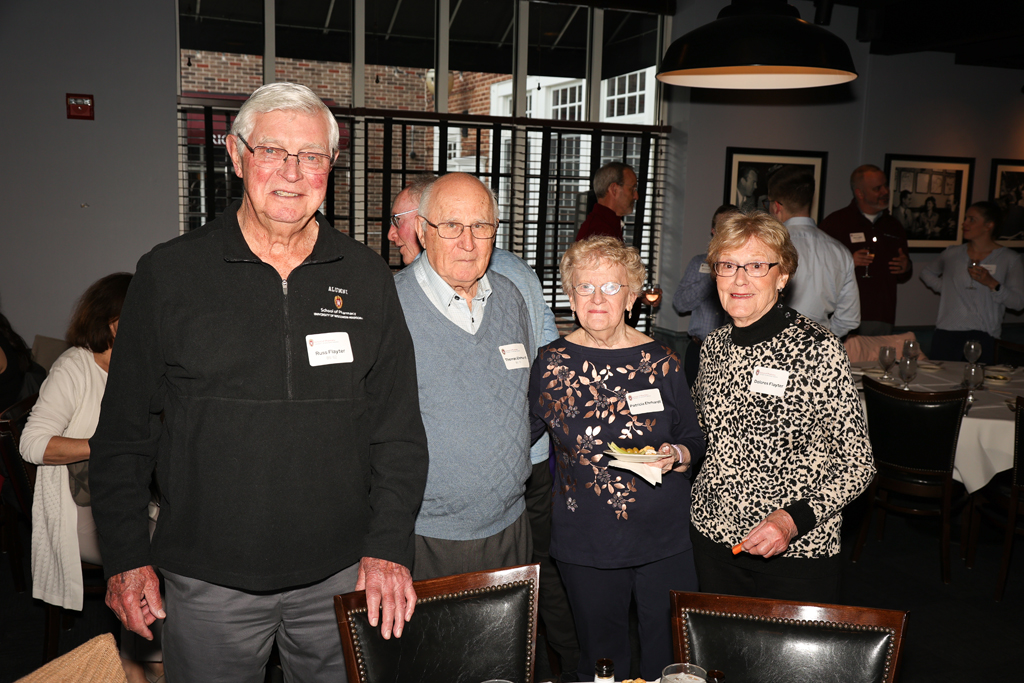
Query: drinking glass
x=866, y=274
x=908, y=371
x=886, y=358
x=683, y=673
x=970, y=280
x=911, y=348
x=972, y=351
x=973, y=376
x=652, y=296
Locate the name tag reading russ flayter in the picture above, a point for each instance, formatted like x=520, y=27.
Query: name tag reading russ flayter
x=769, y=381
x=856, y=237
x=514, y=356
x=328, y=348
x=646, y=401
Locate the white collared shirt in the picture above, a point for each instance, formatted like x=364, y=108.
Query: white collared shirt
x=445, y=299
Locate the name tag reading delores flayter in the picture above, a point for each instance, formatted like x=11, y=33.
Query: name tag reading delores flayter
x=769, y=381
x=328, y=348
x=646, y=401
x=514, y=356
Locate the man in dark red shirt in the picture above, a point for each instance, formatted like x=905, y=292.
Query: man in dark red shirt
x=615, y=187
x=878, y=244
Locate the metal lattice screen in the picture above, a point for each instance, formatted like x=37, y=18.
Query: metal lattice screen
x=539, y=171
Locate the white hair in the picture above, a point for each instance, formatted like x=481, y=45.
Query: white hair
x=428, y=192
x=284, y=97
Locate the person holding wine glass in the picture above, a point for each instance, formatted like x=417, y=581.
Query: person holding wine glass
x=973, y=298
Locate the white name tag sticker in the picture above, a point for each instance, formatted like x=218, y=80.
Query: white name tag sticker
x=328, y=348
x=990, y=267
x=856, y=237
x=769, y=381
x=646, y=401
x=705, y=269
x=514, y=356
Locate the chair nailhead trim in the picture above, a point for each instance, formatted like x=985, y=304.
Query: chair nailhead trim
x=798, y=622
x=447, y=596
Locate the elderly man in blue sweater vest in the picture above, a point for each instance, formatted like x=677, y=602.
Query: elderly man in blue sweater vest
x=473, y=341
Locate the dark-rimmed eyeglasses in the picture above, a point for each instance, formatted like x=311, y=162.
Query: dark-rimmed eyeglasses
x=275, y=157
x=394, y=216
x=451, y=230
x=752, y=269
x=608, y=288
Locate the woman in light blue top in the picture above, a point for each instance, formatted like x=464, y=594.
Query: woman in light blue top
x=977, y=281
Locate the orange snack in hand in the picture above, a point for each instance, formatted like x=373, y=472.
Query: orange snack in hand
x=737, y=549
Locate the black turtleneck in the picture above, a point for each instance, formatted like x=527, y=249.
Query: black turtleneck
x=769, y=325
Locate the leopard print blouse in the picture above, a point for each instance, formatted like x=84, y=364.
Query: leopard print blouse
x=806, y=451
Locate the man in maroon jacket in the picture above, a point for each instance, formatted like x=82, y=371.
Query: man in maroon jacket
x=874, y=237
x=615, y=187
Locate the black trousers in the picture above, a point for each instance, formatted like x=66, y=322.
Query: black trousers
x=554, y=604
x=600, y=600
x=724, y=577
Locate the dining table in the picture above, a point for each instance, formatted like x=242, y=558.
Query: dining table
x=985, y=446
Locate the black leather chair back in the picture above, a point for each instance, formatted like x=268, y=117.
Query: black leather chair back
x=915, y=431
x=756, y=640
x=458, y=635
x=18, y=479
x=1018, y=443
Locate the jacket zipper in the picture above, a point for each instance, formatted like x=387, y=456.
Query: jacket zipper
x=287, y=340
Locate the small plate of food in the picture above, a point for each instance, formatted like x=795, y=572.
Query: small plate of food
x=996, y=378
x=642, y=454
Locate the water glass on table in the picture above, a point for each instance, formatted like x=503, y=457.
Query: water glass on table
x=683, y=673
x=908, y=371
x=911, y=348
x=972, y=351
x=886, y=358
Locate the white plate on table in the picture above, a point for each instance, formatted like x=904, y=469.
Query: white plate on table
x=929, y=366
x=635, y=457
x=996, y=378
x=1000, y=369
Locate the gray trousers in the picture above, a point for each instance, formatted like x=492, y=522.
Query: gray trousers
x=509, y=547
x=216, y=634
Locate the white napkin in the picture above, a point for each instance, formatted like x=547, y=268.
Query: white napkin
x=652, y=475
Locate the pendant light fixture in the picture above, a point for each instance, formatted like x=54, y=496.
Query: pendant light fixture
x=758, y=44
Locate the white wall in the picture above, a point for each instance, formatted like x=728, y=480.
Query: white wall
x=907, y=104
x=123, y=165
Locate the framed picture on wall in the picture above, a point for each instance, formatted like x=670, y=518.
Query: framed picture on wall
x=929, y=196
x=1006, y=188
x=747, y=170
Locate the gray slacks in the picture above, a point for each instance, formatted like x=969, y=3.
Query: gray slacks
x=509, y=547
x=217, y=634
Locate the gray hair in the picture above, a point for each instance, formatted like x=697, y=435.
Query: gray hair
x=608, y=175
x=283, y=97
x=428, y=191
x=857, y=177
x=418, y=185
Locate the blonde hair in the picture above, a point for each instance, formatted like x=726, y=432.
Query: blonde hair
x=593, y=251
x=734, y=230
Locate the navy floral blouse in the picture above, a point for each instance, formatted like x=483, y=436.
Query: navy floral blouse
x=603, y=516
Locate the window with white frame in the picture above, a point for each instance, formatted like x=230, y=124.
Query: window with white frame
x=625, y=95
x=567, y=103
x=529, y=105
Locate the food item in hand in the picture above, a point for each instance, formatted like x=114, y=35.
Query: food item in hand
x=737, y=549
x=646, y=450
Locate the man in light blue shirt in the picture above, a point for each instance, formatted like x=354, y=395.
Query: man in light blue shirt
x=823, y=288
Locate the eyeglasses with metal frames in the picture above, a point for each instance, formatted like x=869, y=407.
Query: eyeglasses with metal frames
x=394, y=216
x=752, y=269
x=275, y=157
x=608, y=288
x=451, y=230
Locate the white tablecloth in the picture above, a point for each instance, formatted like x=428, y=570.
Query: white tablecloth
x=986, y=435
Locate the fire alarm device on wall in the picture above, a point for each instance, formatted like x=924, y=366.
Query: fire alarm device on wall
x=80, y=106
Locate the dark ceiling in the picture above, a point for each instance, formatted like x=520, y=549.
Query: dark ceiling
x=400, y=32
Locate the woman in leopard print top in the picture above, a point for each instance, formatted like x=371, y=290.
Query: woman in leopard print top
x=787, y=444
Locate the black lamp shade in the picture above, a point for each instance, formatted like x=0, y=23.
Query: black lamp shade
x=757, y=51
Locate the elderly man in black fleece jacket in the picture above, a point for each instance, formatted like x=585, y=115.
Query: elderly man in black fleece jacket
x=290, y=456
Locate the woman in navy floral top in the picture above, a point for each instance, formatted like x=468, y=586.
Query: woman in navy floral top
x=613, y=534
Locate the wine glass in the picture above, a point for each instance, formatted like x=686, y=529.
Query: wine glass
x=652, y=295
x=869, y=247
x=911, y=348
x=683, y=673
x=908, y=371
x=972, y=351
x=886, y=358
x=973, y=376
x=970, y=280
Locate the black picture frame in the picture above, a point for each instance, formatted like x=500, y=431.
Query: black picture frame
x=945, y=182
x=1006, y=188
x=765, y=162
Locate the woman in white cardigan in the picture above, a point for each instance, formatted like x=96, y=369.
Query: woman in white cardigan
x=57, y=436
